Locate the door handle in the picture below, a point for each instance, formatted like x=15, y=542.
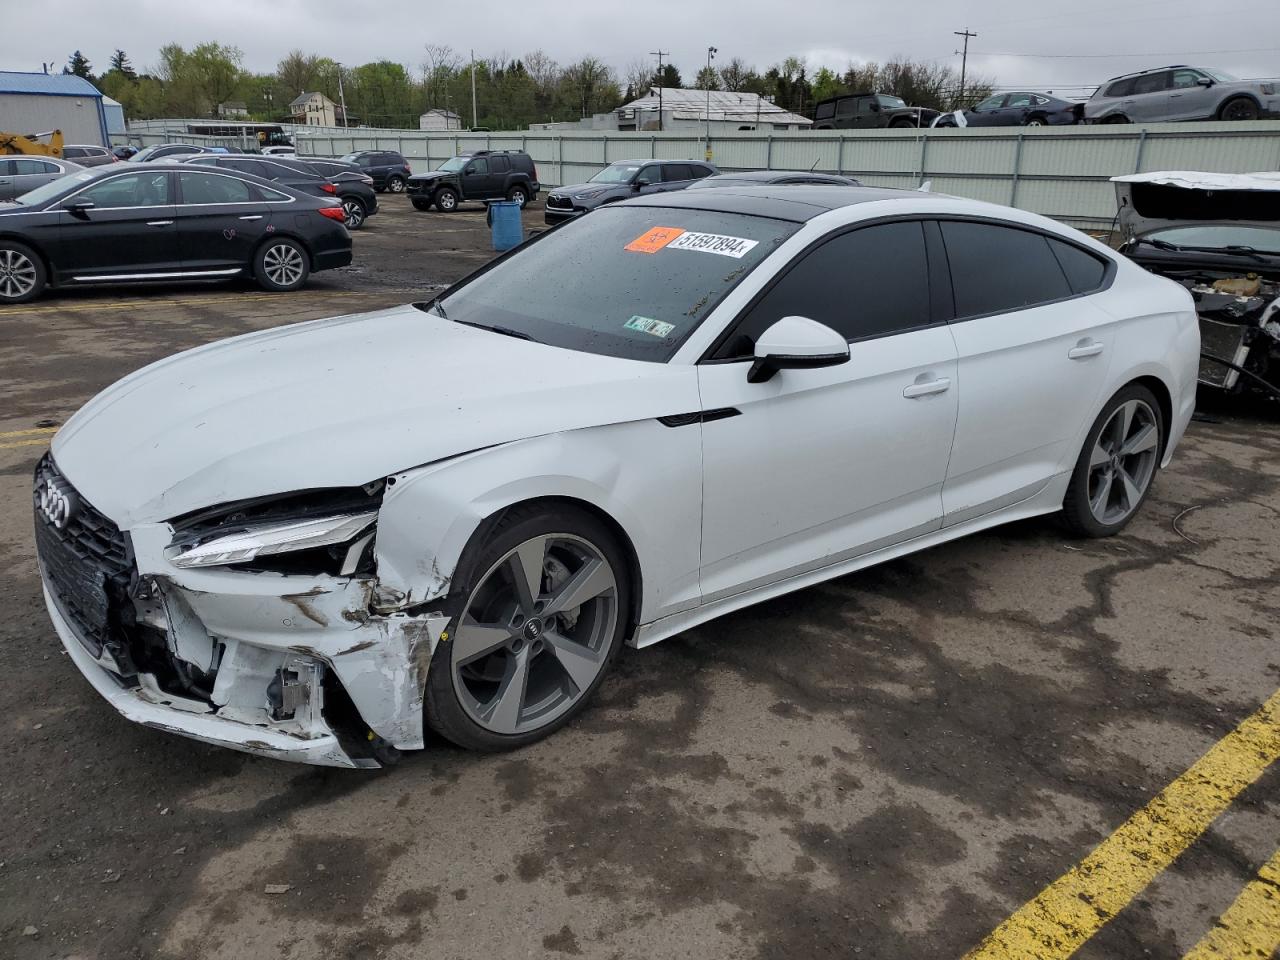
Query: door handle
x=256, y=216
x=927, y=388
x=159, y=223
x=1083, y=350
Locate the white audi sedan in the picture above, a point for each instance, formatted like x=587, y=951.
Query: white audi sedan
x=320, y=542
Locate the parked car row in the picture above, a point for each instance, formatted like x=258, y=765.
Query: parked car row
x=167, y=221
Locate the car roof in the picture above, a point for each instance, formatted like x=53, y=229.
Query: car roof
x=794, y=202
x=769, y=176
x=1139, y=73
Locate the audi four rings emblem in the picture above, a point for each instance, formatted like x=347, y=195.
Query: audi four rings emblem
x=56, y=503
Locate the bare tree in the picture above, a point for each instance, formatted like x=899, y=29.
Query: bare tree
x=734, y=75
x=638, y=76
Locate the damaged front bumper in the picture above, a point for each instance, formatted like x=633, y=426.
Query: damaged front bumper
x=303, y=668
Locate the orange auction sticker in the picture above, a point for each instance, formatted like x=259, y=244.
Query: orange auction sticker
x=653, y=240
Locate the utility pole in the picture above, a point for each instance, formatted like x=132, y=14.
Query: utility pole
x=964, y=60
x=474, y=121
x=342, y=98
x=706, y=144
x=659, y=54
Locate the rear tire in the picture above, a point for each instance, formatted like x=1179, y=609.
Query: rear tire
x=353, y=213
x=446, y=200
x=1116, y=118
x=1037, y=122
x=516, y=666
x=519, y=194
x=281, y=265
x=1115, y=471
x=22, y=273
x=1239, y=108
x=395, y=184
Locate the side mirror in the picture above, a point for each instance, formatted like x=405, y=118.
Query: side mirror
x=642, y=182
x=80, y=207
x=796, y=343
x=875, y=107
x=1205, y=82
x=469, y=170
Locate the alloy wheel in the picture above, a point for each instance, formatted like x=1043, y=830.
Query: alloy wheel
x=1240, y=109
x=17, y=274
x=283, y=264
x=395, y=185
x=353, y=211
x=535, y=633
x=1123, y=461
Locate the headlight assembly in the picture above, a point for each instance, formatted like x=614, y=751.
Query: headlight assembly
x=278, y=538
x=312, y=532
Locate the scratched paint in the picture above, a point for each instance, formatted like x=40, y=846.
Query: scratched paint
x=1078, y=904
x=1250, y=927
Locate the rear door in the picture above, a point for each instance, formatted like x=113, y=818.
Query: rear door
x=129, y=233
x=676, y=176
x=6, y=179
x=1015, y=110
x=220, y=219
x=1034, y=352
x=1150, y=100
x=31, y=172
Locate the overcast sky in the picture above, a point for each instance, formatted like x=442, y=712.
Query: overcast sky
x=1050, y=46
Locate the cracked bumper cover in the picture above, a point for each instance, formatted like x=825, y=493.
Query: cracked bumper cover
x=260, y=623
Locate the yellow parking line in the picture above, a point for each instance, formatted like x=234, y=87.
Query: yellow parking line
x=1079, y=903
x=40, y=441
x=1251, y=926
x=27, y=433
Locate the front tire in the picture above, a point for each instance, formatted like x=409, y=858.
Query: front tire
x=446, y=200
x=1119, y=462
x=281, y=265
x=22, y=273
x=1239, y=108
x=541, y=608
x=395, y=184
x=420, y=204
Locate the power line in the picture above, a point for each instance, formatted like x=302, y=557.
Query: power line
x=964, y=57
x=1113, y=56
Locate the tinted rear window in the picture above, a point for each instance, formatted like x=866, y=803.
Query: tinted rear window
x=996, y=269
x=1121, y=88
x=629, y=282
x=1085, y=272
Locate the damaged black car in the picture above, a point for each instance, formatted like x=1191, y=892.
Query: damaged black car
x=1219, y=236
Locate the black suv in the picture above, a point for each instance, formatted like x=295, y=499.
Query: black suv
x=862, y=111
x=358, y=199
x=480, y=175
x=620, y=180
x=389, y=170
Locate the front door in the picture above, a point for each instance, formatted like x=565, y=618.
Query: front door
x=817, y=466
x=1189, y=99
x=984, y=114
x=477, y=179
x=1034, y=352
x=128, y=232
x=220, y=219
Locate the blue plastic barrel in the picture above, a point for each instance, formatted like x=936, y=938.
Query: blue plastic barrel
x=504, y=219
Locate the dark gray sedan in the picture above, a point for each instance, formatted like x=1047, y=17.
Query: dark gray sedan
x=1019, y=109
x=756, y=178
x=20, y=174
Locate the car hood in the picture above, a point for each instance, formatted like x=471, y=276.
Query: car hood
x=1188, y=198
x=431, y=175
x=573, y=188
x=338, y=403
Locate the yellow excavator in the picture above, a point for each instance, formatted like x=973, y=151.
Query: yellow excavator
x=18, y=144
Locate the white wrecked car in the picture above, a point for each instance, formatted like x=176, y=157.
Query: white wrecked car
x=317, y=542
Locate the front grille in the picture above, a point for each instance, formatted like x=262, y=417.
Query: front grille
x=558, y=201
x=86, y=563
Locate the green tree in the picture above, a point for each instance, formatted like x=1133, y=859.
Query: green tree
x=382, y=94
x=79, y=66
x=708, y=79
x=668, y=76
x=826, y=84
x=120, y=64
x=591, y=87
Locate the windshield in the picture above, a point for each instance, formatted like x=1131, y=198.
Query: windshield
x=452, y=165
x=630, y=282
x=1221, y=77
x=890, y=102
x=352, y=158
x=1261, y=239
x=617, y=173
x=53, y=188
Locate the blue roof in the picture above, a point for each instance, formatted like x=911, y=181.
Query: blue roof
x=57, y=84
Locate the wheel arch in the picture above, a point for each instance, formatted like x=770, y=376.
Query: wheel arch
x=35, y=248
x=1164, y=397
x=1239, y=95
x=285, y=235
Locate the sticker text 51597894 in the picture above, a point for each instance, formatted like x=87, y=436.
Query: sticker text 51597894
x=736, y=247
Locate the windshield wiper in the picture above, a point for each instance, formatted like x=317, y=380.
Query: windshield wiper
x=1234, y=249
x=505, y=331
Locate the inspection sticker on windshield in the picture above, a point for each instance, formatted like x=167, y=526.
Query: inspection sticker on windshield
x=651, y=241
x=657, y=328
x=736, y=247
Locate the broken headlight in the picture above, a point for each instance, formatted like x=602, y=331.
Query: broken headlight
x=320, y=531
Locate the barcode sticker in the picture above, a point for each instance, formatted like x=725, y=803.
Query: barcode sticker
x=657, y=328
